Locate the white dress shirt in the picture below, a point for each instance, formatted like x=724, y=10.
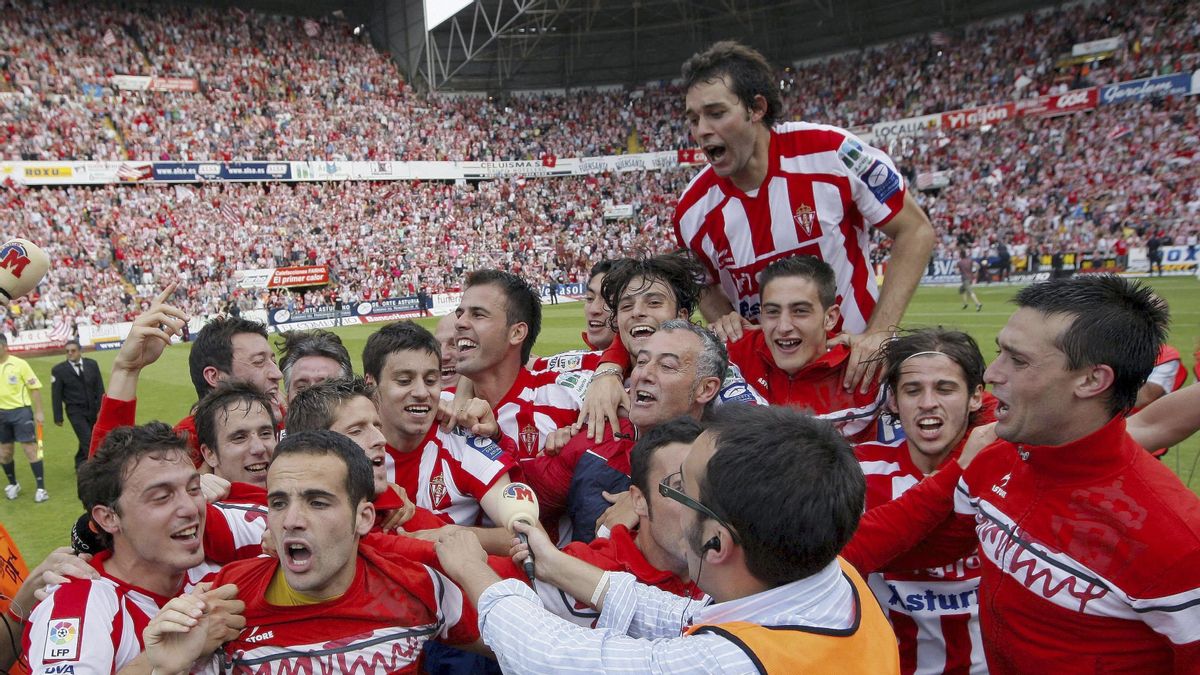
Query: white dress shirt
x=640, y=629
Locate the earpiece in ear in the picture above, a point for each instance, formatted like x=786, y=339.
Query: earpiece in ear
x=713, y=544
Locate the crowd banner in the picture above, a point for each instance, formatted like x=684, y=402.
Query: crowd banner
x=1093, y=47
x=348, y=314
x=298, y=276
x=933, y=180
x=390, y=309
x=880, y=133
x=883, y=132
x=1053, y=105
x=145, y=83
x=36, y=340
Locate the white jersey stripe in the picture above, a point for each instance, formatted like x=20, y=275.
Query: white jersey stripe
x=737, y=229
x=783, y=221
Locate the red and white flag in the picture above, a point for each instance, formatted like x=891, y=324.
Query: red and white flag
x=1119, y=131
x=311, y=28
x=650, y=224
x=939, y=39
x=109, y=38
x=230, y=214
x=134, y=172
x=61, y=331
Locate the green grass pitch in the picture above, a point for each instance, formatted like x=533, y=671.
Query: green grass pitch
x=166, y=393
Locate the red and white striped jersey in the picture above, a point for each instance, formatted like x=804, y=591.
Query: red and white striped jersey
x=535, y=406
x=569, y=361
x=234, y=526
x=1168, y=372
x=450, y=472
x=935, y=611
x=377, y=627
x=94, y=625
x=824, y=191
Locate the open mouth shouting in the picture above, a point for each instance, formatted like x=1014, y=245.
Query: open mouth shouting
x=449, y=371
x=257, y=471
x=642, y=397
x=714, y=152
x=297, y=556
x=930, y=427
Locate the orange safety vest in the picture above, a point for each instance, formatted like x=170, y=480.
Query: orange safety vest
x=12, y=574
x=867, y=647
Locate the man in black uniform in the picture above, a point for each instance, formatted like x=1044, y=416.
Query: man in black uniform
x=77, y=383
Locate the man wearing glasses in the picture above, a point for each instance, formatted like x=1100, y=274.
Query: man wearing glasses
x=772, y=496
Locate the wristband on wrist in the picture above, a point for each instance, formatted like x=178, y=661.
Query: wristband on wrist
x=600, y=588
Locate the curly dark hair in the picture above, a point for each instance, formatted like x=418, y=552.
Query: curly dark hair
x=681, y=271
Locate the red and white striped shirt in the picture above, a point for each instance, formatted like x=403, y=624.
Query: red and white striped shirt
x=934, y=611
x=535, y=406
x=450, y=472
x=93, y=625
x=823, y=192
x=234, y=527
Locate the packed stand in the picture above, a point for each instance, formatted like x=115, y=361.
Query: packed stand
x=337, y=98
x=112, y=245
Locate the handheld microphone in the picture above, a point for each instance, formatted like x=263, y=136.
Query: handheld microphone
x=519, y=503
x=84, y=538
x=22, y=265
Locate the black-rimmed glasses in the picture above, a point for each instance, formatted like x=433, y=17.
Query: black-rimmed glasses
x=665, y=489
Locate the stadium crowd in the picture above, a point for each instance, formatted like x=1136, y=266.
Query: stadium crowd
x=56, y=56
x=111, y=246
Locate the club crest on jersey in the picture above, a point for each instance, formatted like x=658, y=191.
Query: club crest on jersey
x=530, y=440
x=804, y=218
x=437, y=491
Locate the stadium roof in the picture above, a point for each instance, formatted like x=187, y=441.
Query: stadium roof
x=497, y=45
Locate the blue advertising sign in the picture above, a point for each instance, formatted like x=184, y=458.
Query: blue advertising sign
x=201, y=171
x=1179, y=84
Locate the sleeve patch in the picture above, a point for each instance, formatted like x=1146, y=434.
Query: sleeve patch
x=854, y=157
x=62, y=640
x=485, y=447
x=882, y=181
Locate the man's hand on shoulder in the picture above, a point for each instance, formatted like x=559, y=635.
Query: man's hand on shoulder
x=864, y=367
x=731, y=327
